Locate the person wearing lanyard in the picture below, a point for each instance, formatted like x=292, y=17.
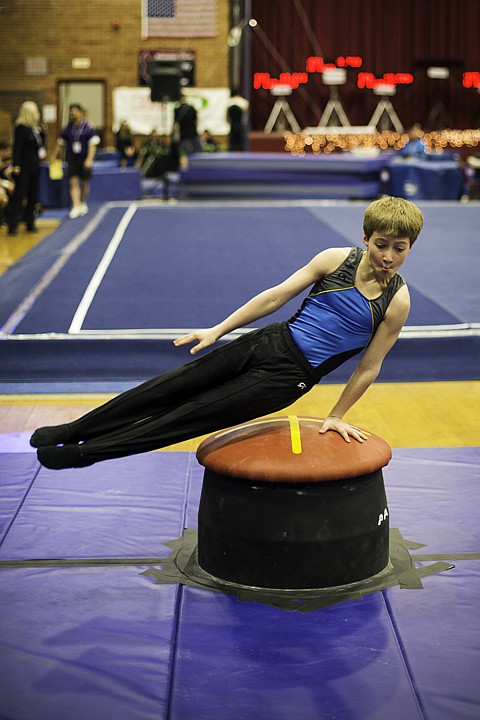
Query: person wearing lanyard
x=80, y=141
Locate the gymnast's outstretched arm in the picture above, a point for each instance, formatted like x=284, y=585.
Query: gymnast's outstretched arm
x=268, y=301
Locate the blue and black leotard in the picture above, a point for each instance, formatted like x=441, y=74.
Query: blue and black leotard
x=336, y=321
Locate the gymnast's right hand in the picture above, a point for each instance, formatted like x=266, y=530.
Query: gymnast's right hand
x=204, y=339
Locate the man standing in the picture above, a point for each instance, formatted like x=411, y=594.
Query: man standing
x=185, y=133
x=80, y=140
x=237, y=118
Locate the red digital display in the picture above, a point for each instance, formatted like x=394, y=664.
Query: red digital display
x=292, y=80
x=317, y=64
x=471, y=79
x=313, y=64
x=368, y=80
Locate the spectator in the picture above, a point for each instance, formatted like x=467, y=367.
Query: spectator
x=7, y=186
x=209, y=144
x=28, y=150
x=185, y=134
x=153, y=158
x=415, y=147
x=126, y=145
x=472, y=178
x=80, y=140
x=237, y=117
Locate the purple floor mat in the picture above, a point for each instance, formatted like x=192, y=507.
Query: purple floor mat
x=107, y=641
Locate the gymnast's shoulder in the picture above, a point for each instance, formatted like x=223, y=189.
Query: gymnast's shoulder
x=326, y=261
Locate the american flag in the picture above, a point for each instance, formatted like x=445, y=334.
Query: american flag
x=179, y=18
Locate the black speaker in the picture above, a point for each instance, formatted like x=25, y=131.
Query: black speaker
x=165, y=85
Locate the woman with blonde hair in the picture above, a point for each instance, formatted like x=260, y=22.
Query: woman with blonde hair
x=28, y=150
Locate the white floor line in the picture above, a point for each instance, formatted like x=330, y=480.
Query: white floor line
x=65, y=255
x=99, y=274
x=408, y=333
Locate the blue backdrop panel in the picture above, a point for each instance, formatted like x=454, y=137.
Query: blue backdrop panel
x=313, y=165
x=124, y=508
x=85, y=643
x=344, y=175
x=284, y=188
x=413, y=359
x=280, y=175
x=112, y=183
x=426, y=180
x=109, y=182
x=53, y=193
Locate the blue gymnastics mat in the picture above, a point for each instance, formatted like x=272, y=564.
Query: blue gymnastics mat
x=81, y=639
x=103, y=298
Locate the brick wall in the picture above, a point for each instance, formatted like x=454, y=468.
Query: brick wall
x=60, y=31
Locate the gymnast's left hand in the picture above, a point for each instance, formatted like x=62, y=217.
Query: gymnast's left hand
x=203, y=338
x=343, y=428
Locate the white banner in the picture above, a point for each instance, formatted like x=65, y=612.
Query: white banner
x=133, y=104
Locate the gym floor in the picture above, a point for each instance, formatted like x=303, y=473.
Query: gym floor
x=87, y=633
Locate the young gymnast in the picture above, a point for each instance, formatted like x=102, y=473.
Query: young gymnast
x=357, y=302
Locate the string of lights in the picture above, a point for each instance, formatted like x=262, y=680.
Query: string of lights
x=435, y=142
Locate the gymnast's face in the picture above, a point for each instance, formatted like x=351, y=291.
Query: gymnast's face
x=386, y=254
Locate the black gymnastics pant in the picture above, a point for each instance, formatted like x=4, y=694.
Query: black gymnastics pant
x=258, y=373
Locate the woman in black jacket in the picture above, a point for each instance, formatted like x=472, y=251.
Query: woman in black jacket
x=28, y=149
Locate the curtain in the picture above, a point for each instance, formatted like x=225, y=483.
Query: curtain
x=389, y=37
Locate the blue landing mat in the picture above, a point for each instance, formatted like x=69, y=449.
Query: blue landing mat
x=280, y=175
x=97, y=513
x=105, y=642
x=92, y=642
x=85, y=643
x=341, y=663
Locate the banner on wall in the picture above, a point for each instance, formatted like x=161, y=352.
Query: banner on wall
x=134, y=105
